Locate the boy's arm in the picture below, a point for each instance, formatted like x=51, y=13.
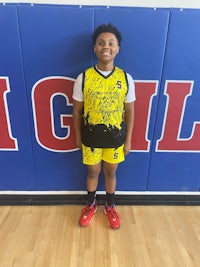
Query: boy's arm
x=77, y=118
x=129, y=121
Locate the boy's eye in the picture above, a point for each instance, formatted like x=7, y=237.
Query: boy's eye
x=101, y=43
x=112, y=44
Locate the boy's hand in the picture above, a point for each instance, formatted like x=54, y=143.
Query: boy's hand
x=127, y=147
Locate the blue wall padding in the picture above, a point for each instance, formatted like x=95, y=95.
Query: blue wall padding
x=17, y=167
x=179, y=171
x=42, y=50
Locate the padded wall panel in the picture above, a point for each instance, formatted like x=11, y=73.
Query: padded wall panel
x=178, y=168
x=55, y=42
x=16, y=159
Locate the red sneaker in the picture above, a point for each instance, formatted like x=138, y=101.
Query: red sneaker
x=87, y=214
x=113, y=217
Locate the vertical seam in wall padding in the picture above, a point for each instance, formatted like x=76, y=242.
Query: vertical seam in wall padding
x=93, y=58
x=158, y=96
x=25, y=84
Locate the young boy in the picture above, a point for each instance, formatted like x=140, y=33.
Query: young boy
x=105, y=95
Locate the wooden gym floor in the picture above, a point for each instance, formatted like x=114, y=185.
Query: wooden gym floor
x=49, y=236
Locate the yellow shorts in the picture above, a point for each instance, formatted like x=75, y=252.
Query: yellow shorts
x=96, y=155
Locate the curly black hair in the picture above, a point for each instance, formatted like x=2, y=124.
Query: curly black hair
x=106, y=28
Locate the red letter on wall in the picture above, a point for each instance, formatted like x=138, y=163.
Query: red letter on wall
x=43, y=94
x=177, y=93
x=145, y=91
x=7, y=142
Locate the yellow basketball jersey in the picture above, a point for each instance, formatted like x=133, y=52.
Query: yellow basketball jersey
x=104, y=98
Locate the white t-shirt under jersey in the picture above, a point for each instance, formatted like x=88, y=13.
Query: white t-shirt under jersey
x=78, y=92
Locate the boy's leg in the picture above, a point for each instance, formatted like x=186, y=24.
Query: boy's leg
x=93, y=176
x=92, y=182
x=110, y=184
x=92, y=158
x=112, y=157
x=91, y=206
x=110, y=177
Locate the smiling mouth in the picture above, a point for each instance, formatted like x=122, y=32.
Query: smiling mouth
x=105, y=53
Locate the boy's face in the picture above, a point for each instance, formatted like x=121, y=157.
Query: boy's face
x=106, y=47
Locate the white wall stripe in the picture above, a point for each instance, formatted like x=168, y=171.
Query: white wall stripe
x=129, y=193
x=133, y=3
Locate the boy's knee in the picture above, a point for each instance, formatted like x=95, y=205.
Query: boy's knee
x=94, y=171
x=110, y=174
